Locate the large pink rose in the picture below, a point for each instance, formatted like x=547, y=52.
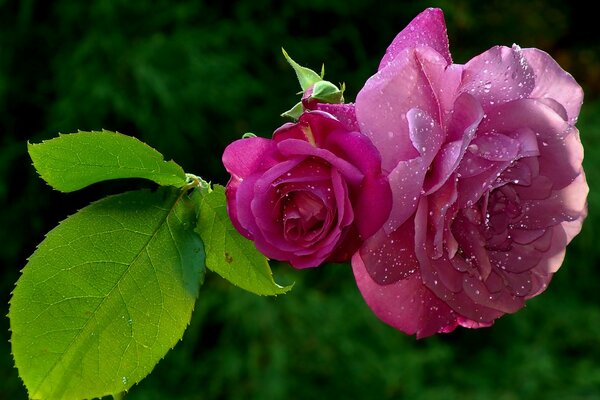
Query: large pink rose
x=312, y=193
x=484, y=162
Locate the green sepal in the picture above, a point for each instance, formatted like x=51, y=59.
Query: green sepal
x=327, y=92
x=307, y=77
x=294, y=112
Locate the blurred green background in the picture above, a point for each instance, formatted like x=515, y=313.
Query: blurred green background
x=188, y=77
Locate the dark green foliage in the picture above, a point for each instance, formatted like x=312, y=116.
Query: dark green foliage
x=189, y=77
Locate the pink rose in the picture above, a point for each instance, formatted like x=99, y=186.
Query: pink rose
x=312, y=193
x=484, y=162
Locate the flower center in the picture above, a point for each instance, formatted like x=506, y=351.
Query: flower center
x=503, y=208
x=304, y=216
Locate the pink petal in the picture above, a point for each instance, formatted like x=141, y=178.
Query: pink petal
x=471, y=165
x=357, y=149
x=312, y=127
x=497, y=76
x=439, y=205
x=517, y=260
x=345, y=113
x=259, y=211
x=567, y=204
x=467, y=114
x=501, y=302
x=406, y=305
x=426, y=29
x=372, y=205
x=462, y=128
x=390, y=258
x=247, y=156
x=342, y=198
x=372, y=198
x=405, y=183
x=561, y=153
x=232, y=206
x=495, y=147
x=539, y=189
x=443, y=78
x=425, y=134
x=383, y=103
x=300, y=148
x=551, y=81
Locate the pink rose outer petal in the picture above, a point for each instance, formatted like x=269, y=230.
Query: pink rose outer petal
x=427, y=29
x=384, y=102
x=552, y=82
x=406, y=305
x=345, y=113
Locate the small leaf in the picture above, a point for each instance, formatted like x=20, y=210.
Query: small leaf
x=228, y=253
x=74, y=161
x=107, y=294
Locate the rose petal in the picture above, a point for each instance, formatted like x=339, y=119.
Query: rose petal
x=501, y=301
x=462, y=128
x=495, y=147
x=426, y=29
x=497, y=76
x=373, y=199
x=518, y=260
x=405, y=183
x=383, y=103
x=312, y=127
x=540, y=188
x=246, y=156
x=406, y=179
x=345, y=113
x=390, y=258
x=439, y=205
x=406, y=305
x=300, y=148
x=551, y=81
x=443, y=78
x=425, y=134
x=357, y=149
x=231, y=194
x=467, y=114
x=561, y=153
x=567, y=204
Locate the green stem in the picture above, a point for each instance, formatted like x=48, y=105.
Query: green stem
x=118, y=396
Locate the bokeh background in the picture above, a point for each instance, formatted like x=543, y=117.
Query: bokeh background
x=188, y=77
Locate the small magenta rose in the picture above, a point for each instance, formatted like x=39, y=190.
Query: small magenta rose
x=485, y=167
x=312, y=193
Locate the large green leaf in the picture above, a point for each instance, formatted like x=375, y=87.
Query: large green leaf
x=228, y=253
x=74, y=161
x=107, y=294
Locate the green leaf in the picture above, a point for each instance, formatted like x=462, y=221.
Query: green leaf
x=228, y=253
x=74, y=161
x=106, y=294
